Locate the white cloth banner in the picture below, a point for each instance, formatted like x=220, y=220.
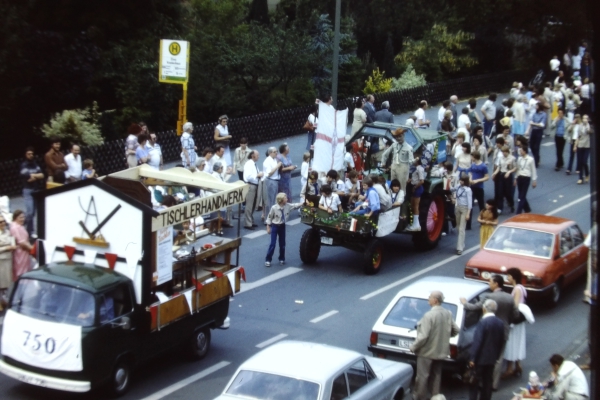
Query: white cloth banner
x=90, y=256
x=188, y=298
x=42, y=344
x=330, y=137
x=231, y=279
x=388, y=222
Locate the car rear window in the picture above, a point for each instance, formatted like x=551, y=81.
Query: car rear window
x=262, y=385
x=409, y=310
x=521, y=241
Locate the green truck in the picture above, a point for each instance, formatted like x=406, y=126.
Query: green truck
x=362, y=234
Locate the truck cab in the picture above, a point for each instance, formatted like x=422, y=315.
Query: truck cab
x=112, y=293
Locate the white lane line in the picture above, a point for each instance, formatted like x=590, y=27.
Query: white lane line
x=449, y=259
x=416, y=274
x=559, y=209
x=293, y=222
x=322, y=317
x=548, y=144
x=179, y=385
x=244, y=287
x=271, y=341
x=256, y=234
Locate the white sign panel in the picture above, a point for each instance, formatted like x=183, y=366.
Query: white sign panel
x=42, y=344
x=174, y=61
x=164, y=254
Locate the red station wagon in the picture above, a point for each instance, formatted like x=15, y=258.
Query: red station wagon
x=548, y=250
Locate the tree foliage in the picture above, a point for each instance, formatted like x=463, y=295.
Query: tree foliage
x=438, y=53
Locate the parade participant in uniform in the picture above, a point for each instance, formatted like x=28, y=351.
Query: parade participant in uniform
x=417, y=181
x=329, y=201
x=370, y=205
x=402, y=158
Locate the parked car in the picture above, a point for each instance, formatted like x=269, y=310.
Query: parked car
x=396, y=328
x=549, y=251
x=293, y=370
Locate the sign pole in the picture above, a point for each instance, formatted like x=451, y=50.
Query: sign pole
x=174, y=68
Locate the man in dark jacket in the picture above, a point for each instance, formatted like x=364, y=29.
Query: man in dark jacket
x=384, y=115
x=487, y=347
x=370, y=108
x=33, y=179
x=506, y=310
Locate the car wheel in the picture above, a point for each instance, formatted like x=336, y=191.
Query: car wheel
x=373, y=257
x=431, y=219
x=199, y=343
x=310, y=246
x=555, y=293
x=399, y=394
x=120, y=379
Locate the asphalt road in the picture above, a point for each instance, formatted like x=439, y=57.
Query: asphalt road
x=333, y=302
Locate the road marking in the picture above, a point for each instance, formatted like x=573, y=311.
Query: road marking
x=548, y=144
x=559, y=209
x=256, y=234
x=271, y=341
x=416, y=274
x=181, y=384
x=449, y=259
x=244, y=287
x=293, y=222
x=322, y=317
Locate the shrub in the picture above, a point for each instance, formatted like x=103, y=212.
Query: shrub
x=76, y=126
x=408, y=79
x=377, y=83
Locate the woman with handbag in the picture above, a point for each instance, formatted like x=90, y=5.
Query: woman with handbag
x=514, y=351
x=310, y=127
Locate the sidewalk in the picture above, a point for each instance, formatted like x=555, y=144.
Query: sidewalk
x=297, y=143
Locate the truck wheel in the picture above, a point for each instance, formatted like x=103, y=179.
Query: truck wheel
x=199, y=344
x=310, y=246
x=120, y=379
x=373, y=257
x=431, y=218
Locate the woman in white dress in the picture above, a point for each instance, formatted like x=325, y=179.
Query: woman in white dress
x=514, y=352
x=360, y=117
x=188, y=147
x=223, y=137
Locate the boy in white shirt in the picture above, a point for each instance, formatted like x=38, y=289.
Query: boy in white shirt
x=329, y=201
x=337, y=186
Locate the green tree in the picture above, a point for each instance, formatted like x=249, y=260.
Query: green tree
x=76, y=126
x=377, y=83
x=438, y=53
x=409, y=79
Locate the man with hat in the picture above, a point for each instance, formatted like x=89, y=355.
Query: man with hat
x=402, y=158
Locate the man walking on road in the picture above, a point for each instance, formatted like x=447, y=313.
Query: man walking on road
x=487, y=347
x=252, y=178
x=505, y=309
x=432, y=346
x=489, y=114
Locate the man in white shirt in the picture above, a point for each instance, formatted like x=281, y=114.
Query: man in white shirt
x=445, y=107
x=422, y=122
x=73, y=161
x=271, y=182
x=489, y=114
x=464, y=121
x=241, y=156
x=220, y=157
x=348, y=159
x=251, y=177
x=554, y=66
x=569, y=380
x=155, y=159
x=576, y=64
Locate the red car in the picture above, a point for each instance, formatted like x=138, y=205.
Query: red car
x=549, y=251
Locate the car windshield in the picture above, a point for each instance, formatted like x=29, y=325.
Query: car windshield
x=54, y=302
x=521, y=241
x=409, y=310
x=265, y=386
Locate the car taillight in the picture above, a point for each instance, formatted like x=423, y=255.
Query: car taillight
x=472, y=271
x=374, y=338
x=453, y=351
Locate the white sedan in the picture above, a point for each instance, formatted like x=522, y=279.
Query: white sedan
x=293, y=370
x=396, y=328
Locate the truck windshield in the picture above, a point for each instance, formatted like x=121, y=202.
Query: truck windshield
x=54, y=302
